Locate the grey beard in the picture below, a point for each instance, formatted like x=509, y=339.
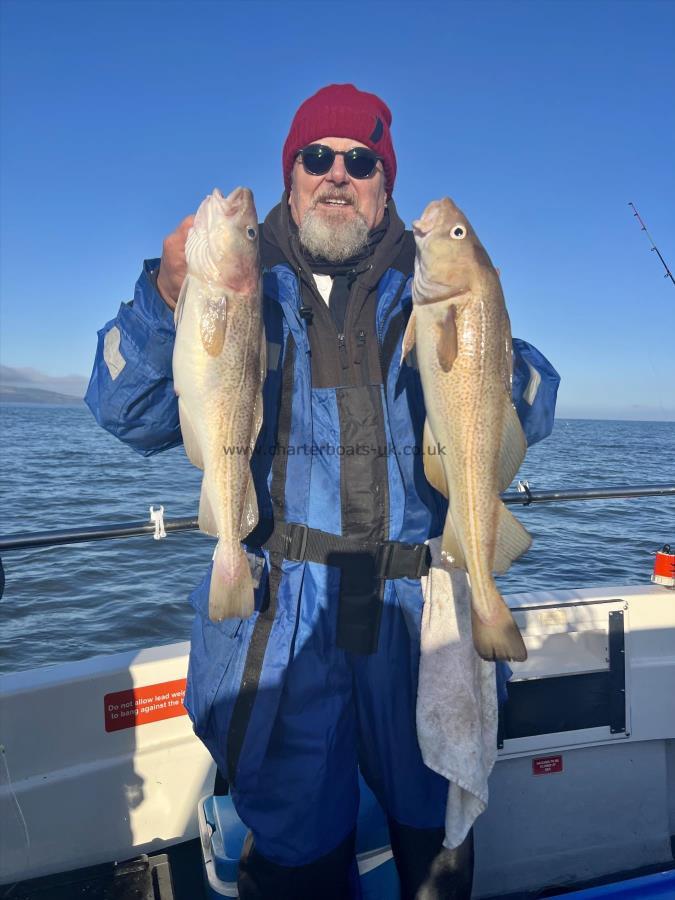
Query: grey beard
x=332, y=241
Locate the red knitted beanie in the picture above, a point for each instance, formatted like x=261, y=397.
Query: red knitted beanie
x=341, y=110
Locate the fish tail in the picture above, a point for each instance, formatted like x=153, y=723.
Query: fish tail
x=231, y=590
x=500, y=638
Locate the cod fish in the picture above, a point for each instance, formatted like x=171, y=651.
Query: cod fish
x=219, y=364
x=473, y=440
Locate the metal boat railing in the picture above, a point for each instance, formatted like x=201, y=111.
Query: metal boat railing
x=525, y=496
x=31, y=539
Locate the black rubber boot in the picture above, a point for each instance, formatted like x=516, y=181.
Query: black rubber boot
x=327, y=878
x=428, y=870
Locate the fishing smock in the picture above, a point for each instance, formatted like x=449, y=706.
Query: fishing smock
x=322, y=678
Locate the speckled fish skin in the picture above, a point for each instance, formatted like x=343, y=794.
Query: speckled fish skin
x=474, y=443
x=219, y=367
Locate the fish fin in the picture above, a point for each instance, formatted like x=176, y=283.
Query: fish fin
x=231, y=588
x=507, y=356
x=258, y=411
x=249, y=515
x=435, y=474
x=191, y=443
x=408, y=337
x=433, y=467
x=450, y=545
x=207, y=520
x=446, y=345
x=213, y=325
x=263, y=357
x=512, y=541
x=501, y=639
x=180, y=303
x=257, y=420
x=512, y=448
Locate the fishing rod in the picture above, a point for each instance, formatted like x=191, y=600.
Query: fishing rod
x=668, y=274
x=158, y=526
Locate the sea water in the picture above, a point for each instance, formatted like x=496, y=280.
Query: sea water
x=60, y=470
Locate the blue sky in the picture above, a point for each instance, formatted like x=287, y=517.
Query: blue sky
x=541, y=119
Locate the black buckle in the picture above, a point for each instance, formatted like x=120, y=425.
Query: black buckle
x=423, y=560
x=383, y=557
x=296, y=541
x=396, y=559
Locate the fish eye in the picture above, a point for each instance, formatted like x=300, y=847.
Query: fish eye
x=251, y=233
x=458, y=232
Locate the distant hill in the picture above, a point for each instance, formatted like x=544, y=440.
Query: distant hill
x=11, y=394
x=26, y=385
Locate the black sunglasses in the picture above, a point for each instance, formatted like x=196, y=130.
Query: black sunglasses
x=360, y=162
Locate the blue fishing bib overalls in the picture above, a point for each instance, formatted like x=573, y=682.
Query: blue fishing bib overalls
x=292, y=701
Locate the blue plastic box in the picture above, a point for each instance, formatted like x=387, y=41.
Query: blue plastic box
x=222, y=835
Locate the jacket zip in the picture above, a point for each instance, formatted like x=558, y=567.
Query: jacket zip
x=342, y=350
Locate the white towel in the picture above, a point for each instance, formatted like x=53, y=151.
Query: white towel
x=456, y=698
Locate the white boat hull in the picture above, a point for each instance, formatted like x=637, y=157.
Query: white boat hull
x=88, y=795
x=74, y=794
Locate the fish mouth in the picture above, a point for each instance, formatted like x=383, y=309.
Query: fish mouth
x=435, y=214
x=215, y=207
x=237, y=201
x=424, y=225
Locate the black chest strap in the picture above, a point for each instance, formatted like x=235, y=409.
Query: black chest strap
x=392, y=559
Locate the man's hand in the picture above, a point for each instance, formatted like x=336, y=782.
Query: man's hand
x=173, y=267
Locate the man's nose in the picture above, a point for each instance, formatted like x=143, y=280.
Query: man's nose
x=338, y=173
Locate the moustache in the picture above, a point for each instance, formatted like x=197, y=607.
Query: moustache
x=345, y=196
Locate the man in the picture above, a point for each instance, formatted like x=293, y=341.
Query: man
x=322, y=678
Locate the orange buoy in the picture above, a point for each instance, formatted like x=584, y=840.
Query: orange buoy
x=664, y=567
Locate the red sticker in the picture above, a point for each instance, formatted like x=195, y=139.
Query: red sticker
x=546, y=765
x=142, y=705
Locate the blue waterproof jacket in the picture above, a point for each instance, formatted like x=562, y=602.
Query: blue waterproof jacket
x=282, y=710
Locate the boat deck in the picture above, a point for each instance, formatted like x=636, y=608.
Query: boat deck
x=177, y=874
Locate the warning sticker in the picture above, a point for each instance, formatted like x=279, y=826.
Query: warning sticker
x=142, y=705
x=547, y=765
